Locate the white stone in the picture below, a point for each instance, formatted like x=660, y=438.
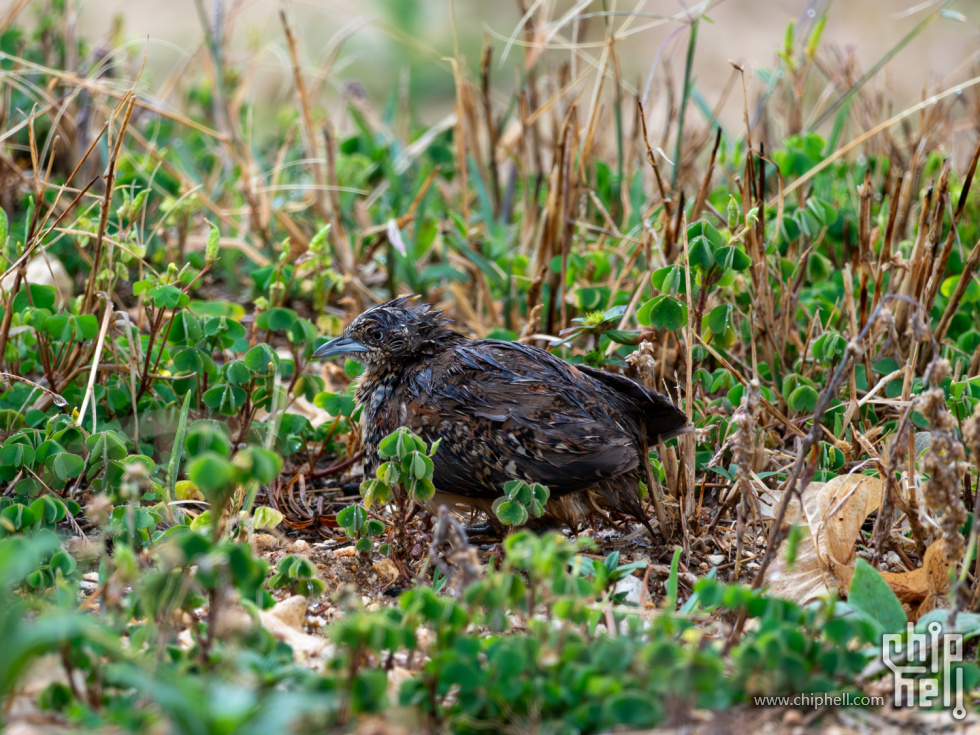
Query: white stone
x=632, y=586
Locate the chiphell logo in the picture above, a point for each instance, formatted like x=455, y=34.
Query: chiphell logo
x=922, y=664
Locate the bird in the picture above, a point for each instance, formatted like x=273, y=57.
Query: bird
x=504, y=411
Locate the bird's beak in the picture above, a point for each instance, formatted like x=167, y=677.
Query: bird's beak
x=339, y=346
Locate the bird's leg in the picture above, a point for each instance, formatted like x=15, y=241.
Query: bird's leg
x=482, y=530
x=646, y=522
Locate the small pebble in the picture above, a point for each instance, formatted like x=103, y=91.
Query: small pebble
x=387, y=571
x=291, y=611
x=632, y=586
x=715, y=559
x=265, y=541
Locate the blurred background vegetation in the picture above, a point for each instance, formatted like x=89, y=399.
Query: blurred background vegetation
x=391, y=48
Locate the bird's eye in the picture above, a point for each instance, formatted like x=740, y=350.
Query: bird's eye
x=377, y=336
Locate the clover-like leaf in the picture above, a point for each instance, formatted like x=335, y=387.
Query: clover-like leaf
x=64, y=465
x=423, y=490
x=266, y=517
x=212, y=473
x=275, y=319
x=352, y=518
x=719, y=318
x=804, y=398
x=167, y=296
x=509, y=512
x=663, y=312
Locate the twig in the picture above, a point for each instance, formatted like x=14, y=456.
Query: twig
x=334, y=468
x=106, y=317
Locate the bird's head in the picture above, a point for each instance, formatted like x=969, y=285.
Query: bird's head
x=390, y=334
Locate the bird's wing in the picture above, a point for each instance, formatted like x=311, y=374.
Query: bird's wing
x=510, y=411
x=662, y=418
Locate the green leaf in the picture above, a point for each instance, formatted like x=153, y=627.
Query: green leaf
x=970, y=296
x=276, y=318
x=63, y=562
x=204, y=435
x=202, y=523
x=319, y=238
x=166, y=296
x=16, y=455
x=818, y=267
x=36, y=295
x=672, y=579
x=261, y=360
x=667, y=279
x=871, y=595
x=237, y=373
x=212, y=473
x=421, y=466
x=259, y=464
x=59, y=326
x=226, y=399
x=389, y=446
x=64, y=465
x=185, y=329
x=29, y=487
x=47, y=448
x=334, y=403
x=700, y=254
x=509, y=512
x=266, y=517
x=668, y=313
x=423, y=490
x=49, y=510
x=809, y=224
x=824, y=212
x=86, y=326
x=352, y=517
x=804, y=399
x=720, y=318
x=187, y=360
x=303, y=569
x=631, y=708
x=732, y=259
x=353, y=369
x=16, y=518
x=703, y=228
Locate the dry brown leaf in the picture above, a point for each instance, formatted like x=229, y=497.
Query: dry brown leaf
x=922, y=589
x=833, y=513
x=838, y=512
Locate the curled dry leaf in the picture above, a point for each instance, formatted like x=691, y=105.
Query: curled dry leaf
x=285, y=621
x=832, y=514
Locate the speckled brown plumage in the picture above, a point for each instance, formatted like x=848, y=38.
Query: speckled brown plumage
x=504, y=410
